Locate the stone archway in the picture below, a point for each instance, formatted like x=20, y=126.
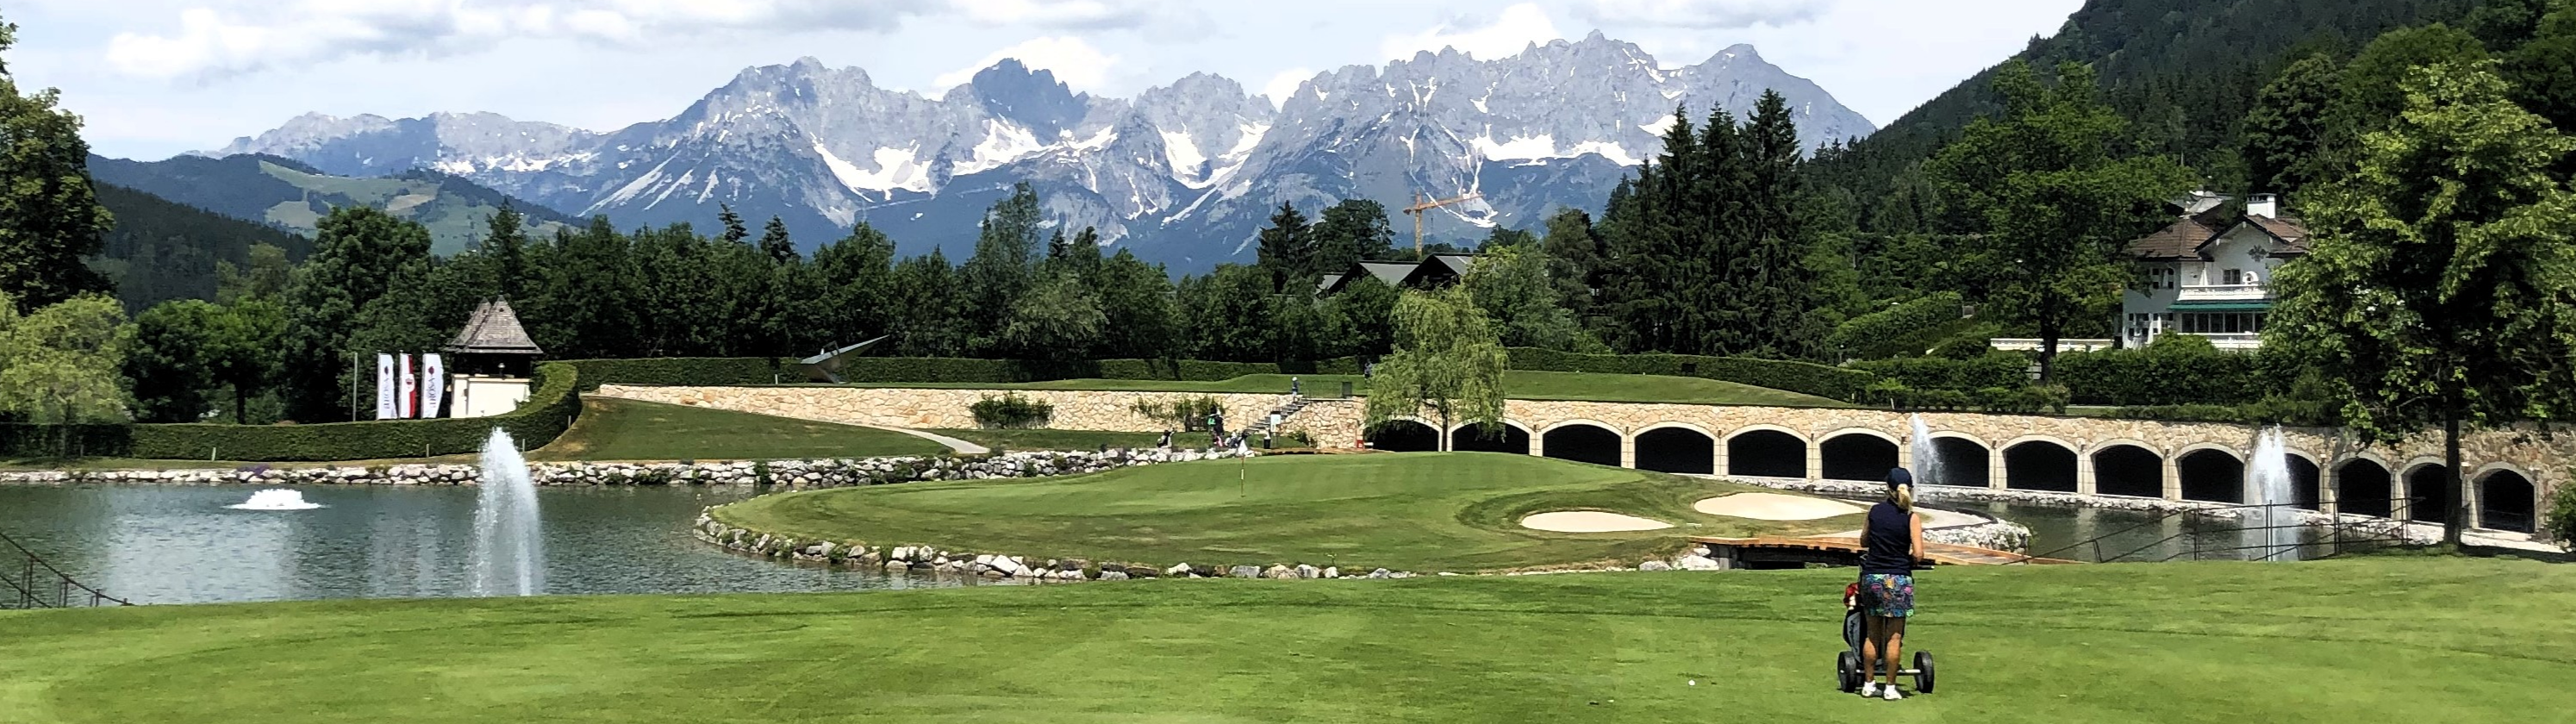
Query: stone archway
x=2039, y=465
x=2507, y=501
x=1856, y=456
x=1766, y=454
x=1677, y=450
x=2428, y=494
x=1961, y=462
x=1581, y=442
x=1404, y=436
x=1506, y=438
x=2362, y=488
x=2211, y=474
x=2306, y=481
x=2126, y=469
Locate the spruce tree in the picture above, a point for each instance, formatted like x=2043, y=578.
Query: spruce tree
x=1287, y=250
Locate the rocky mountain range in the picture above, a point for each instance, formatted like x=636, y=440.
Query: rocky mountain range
x=1183, y=174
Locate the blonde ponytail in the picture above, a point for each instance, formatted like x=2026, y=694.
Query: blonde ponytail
x=1904, y=497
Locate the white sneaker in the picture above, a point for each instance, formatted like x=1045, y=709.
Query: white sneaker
x=1869, y=689
x=1889, y=693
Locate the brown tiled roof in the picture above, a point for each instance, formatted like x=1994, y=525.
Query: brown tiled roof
x=2289, y=230
x=493, y=329
x=2180, y=240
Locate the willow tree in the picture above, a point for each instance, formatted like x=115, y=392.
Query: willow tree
x=1448, y=363
x=2438, y=290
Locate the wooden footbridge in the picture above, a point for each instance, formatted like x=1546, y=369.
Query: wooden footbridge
x=1773, y=551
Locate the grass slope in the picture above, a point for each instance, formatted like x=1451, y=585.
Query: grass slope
x=1519, y=384
x=2378, y=640
x=612, y=429
x=1404, y=511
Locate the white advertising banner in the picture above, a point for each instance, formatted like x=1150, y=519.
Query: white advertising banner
x=410, y=389
x=385, y=409
x=433, y=385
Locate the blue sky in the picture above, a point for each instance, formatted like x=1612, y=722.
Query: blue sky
x=154, y=78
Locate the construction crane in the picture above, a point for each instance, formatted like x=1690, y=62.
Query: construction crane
x=1421, y=207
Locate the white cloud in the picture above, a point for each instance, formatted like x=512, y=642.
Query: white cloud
x=1053, y=13
x=1705, y=14
x=1513, y=31
x=1285, y=84
x=240, y=36
x=1074, y=61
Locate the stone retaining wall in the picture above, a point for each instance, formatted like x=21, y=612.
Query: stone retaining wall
x=2544, y=462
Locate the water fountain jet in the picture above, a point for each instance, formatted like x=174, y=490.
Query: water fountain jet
x=508, y=554
x=2272, y=530
x=275, y=499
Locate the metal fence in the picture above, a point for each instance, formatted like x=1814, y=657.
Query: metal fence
x=35, y=583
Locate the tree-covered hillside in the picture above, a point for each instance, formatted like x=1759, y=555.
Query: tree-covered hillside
x=2185, y=72
x=161, y=250
x=286, y=193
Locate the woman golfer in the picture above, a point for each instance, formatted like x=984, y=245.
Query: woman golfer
x=1889, y=547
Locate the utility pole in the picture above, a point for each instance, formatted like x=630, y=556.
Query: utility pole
x=1421, y=207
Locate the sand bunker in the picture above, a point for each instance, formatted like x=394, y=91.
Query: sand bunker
x=1590, y=521
x=1774, y=506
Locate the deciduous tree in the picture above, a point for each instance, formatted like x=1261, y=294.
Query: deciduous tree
x=2439, y=287
x=1448, y=363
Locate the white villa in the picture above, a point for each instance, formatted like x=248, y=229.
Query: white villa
x=2207, y=281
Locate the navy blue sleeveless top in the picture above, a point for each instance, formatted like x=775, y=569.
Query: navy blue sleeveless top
x=1887, y=545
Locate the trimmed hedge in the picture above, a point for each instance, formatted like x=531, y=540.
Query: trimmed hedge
x=1903, y=330
x=1807, y=377
x=551, y=408
x=686, y=371
x=2165, y=375
x=1998, y=370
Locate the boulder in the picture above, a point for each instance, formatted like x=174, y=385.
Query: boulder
x=1279, y=573
x=1178, y=570
x=1380, y=573
x=1697, y=562
x=1243, y=572
x=1307, y=571
x=1113, y=575
x=1332, y=572
x=1655, y=566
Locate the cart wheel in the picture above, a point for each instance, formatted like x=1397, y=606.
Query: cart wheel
x=1847, y=672
x=1923, y=671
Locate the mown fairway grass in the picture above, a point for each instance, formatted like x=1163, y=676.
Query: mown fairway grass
x=1519, y=384
x=2414, y=639
x=1423, y=512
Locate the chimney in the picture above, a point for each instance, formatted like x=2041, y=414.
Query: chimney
x=2263, y=205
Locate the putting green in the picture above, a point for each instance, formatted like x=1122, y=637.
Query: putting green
x=2376, y=640
x=1421, y=512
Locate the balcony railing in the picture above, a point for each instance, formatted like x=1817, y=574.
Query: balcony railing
x=2231, y=340
x=2224, y=293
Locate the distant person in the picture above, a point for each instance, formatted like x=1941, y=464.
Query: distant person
x=1292, y=386
x=1166, y=442
x=1890, y=545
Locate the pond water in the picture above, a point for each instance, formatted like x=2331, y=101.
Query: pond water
x=2099, y=534
x=180, y=544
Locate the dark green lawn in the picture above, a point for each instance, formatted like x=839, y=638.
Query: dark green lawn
x=1519, y=384
x=612, y=429
x=2418, y=639
x=1422, y=512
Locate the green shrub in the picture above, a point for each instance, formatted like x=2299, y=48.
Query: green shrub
x=2179, y=369
x=1185, y=414
x=2181, y=413
x=1011, y=411
x=1807, y=377
x=1903, y=330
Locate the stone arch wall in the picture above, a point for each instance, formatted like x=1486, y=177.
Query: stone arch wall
x=2544, y=462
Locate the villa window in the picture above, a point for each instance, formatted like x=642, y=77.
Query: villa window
x=2235, y=277
x=2223, y=323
